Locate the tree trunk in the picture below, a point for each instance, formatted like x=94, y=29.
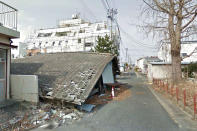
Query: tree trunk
x=176, y=66
x=175, y=39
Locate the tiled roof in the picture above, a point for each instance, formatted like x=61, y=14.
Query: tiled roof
x=64, y=76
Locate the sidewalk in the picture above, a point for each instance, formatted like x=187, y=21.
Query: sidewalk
x=180, y=117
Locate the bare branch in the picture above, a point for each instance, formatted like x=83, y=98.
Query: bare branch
x=191, y=20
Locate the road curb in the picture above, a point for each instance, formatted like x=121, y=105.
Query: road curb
x=165, y=106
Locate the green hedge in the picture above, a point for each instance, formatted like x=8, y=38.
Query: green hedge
x=191, y=68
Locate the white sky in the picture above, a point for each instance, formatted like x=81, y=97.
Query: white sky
x=35, y=14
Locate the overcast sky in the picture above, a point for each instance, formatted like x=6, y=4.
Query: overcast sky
x=35, y=14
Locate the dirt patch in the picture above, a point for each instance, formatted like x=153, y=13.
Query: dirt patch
x=121, y=93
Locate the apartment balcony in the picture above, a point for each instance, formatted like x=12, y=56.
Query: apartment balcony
x=8, y=20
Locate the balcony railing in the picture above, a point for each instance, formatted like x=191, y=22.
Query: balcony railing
x=8, y=16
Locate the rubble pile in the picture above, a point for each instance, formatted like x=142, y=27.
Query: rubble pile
x=36, y=116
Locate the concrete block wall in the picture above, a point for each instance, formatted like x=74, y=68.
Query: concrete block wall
x=159, y=72
x=25, y=88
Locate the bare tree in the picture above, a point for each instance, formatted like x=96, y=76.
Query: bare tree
x=174, y=21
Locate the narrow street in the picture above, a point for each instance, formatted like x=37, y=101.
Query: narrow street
x=140, y=112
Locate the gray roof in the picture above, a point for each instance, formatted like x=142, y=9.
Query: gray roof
x=69, y=76
x=152, y=59
x=167, y=63
x=185, y=42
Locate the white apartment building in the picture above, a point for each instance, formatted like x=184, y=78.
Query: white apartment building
x=188, y=52
x=71, y=35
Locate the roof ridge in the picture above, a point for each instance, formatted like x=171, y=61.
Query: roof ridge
x=82, y=52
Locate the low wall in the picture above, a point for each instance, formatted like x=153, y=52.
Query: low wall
x=24, y=88
x=159, y=72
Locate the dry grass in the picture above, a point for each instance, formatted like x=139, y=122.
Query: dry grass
x=190, y=87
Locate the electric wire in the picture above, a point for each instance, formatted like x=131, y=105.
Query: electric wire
x=86, y=7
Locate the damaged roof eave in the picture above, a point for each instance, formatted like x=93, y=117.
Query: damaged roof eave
x=100, y=73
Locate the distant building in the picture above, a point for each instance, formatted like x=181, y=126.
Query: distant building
x=8, y=31
x=142, y=63
x=188, y=52
x=19, y=52
x=71, y=35
x=161, y=70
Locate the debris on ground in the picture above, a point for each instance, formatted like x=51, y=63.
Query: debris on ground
x=86, y=107
x=49, y=116
x=35, y=116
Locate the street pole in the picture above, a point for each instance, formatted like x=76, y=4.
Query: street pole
x=126, y=54
x=111, y=15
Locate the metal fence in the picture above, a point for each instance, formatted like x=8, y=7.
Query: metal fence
x=8, y=16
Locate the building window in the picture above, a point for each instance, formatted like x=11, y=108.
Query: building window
x=40, y=44
x=59, y=34
x=183, y=54
x=79, y=40
x=44, y=34
x=53, y=44
x=60, y=42
x=81, y=31
x=88, y=44
x=3, y=66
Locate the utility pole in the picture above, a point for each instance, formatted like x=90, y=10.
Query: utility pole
x=126, y=54
x=111, y=13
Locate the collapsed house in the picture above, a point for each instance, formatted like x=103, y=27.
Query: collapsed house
x=70, y=77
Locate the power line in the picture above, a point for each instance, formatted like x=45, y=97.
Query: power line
x=104, y=5
x=111, y=13
x=107, y=4
x=137, y=42
x=88, y=9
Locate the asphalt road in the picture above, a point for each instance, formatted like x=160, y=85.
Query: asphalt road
x=140, y=112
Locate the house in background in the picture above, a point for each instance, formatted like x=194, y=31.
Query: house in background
x=142, y=63
x=188, y=52
x=8, y=31
x=161, y=70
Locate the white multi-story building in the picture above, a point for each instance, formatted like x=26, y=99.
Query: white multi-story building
x=71, y=35
x=188, y=52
